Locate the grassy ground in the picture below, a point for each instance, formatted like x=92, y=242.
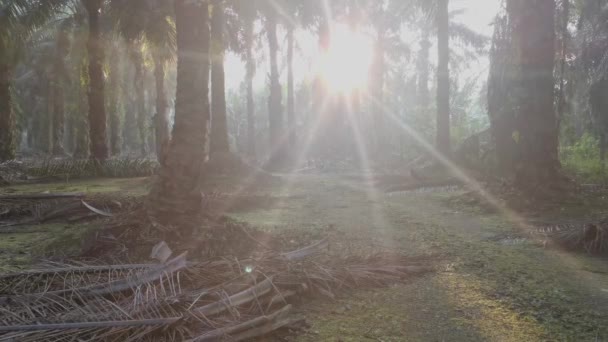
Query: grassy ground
x=28, y=243
x=485, y=288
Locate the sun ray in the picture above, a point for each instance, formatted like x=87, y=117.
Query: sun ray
x=456, y=171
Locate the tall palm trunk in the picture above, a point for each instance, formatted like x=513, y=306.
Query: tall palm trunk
x=291, y=110
x=114, y=101
x=7, y=116
x=565, y=21
x=81, y=139
x=250, y=103
x=501, y=109
x=275, y=111
x=443, y=78
x=59, y=75
x=533, y=27
x=377, y=91
x=140, y=97
x=219, y=126
x=175, y=197
x=162, y=112
x=97, y=110
x=423, y=67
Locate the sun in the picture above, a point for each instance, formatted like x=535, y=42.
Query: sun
x=345, y=65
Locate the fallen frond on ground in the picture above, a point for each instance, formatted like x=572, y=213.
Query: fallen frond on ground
x=590, y=237
x=220, y=299
x=28, y=209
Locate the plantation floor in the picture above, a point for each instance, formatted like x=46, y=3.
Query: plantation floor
x=486, y=287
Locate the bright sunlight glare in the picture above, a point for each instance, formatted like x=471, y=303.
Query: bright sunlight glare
x=345, y=65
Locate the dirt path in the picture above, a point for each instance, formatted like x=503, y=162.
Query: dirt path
x=485, y=288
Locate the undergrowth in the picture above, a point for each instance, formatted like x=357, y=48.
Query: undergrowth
x=84, y=168
x=582, y=160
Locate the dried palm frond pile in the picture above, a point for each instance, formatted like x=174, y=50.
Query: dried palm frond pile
x=216, y=300
x=591, y=237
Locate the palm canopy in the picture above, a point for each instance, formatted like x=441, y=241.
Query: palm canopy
x=149, y=20
x=19, y=19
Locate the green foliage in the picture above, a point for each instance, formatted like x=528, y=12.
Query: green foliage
x=583, y=160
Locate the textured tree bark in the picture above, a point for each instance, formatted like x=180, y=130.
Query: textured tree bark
x=97, y=112
x=501, y=107
x=7, y=116
x=377, y=91
x=59, y=78
x=176, y=198
x=561, y=98
x=291, y=110
x=113, y=103
x=219, y=126
x=140, y=98
x=533, y=26
x=251, y=141
x=162, y=113
x=423, y=66
x=443, y=78
x=81, y=126
x=275, y=110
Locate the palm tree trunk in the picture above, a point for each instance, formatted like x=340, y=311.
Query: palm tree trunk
x=275, y=111
x=7, y=116
x=49, y=117
x=443, y=79
x=423, y=67
x=114, y=102
x=533, y=26
x=140, y=97
x=291, y=119
x=250, y=103
x=561, y=99
x=219, y=127
x=162, y=112
x=59, y=76
x=58, y=118
x=81, y=137
x=97, y=110
x=175, y=197
x=377, y=91
x=501, y=110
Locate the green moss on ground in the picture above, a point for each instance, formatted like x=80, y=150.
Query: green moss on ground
x=132, y=186
x=19, y=250
x=27, y=244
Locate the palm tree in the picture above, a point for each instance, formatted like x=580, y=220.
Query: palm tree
x=18, y=19
x=219, y=126
x=175, y=196
x=291, y=103
x=60, y=76
x=114, y=98
x=150, y=24
x=443, y=78
x=96, y=95
x=275, y=106
x=248, y=12
x=533, y=32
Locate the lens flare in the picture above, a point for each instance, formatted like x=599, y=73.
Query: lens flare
x=344, y=67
